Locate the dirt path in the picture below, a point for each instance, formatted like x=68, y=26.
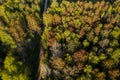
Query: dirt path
x=41, y=54
x=45, y=5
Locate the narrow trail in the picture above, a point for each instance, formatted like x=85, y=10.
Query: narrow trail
x=41, y=54
x=45, y=6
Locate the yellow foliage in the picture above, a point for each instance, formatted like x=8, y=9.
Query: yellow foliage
x=16, y=30
x=58, y=63
x=57, y=19
x=32, y=23
x=7, y=39
x=48, y=19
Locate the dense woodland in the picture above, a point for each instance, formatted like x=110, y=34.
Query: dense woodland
x=59, y=39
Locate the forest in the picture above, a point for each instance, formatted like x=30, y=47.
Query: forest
x=59, y=39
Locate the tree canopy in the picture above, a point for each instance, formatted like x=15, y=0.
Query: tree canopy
x=59, y=40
